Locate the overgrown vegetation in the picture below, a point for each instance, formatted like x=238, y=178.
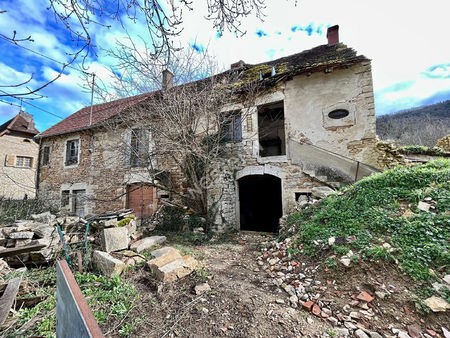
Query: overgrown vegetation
x=422, y=150
x=11, y=210
x=110, y=299
x=384, y=209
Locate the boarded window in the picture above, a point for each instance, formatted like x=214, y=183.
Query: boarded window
x=79, y=200
x=72, y=152
x=46, y=155
x=24, y=161
x=232, y=127
x=139, y=148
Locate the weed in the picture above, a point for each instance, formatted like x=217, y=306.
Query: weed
x=331, y=263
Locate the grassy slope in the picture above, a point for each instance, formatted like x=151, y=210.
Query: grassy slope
x=373, y=210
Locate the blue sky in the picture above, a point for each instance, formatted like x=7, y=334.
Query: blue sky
x=406, y=40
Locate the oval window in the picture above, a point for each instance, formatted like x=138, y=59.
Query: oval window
x=338, y=114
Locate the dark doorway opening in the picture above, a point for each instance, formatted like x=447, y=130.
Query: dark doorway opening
x=260, y=203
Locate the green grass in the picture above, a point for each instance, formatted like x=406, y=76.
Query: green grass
x=369, y=209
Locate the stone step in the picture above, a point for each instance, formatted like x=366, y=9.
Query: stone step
x=162, y=257
x=179, y=268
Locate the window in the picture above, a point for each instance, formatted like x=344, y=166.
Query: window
x=46, y=155
x=23, y=162
x=271, y=130
x=338, y=114
x=232, y=127
x=139, y=148
x=72, y=152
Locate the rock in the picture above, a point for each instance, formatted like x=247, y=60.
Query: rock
x=381, y=294
x=445, y=332
x=107, y=264
x=341, y=332
x=43, y=255
x=333, y=320
x=162, y=256
x=321, y=192
x=316, y=310
x=115, y=239
x=23, y=242
x=331, y=241
x=45, y=217
x=198, y=230
x=108, y=223
x=131, y=227
x=361, y=334
x=438, y=286
x=7, y=230
x=414, y=330
x=423, y=206
x=308, y=305
x=176, y=269
x=21, y=235
x=45, y=231
x=202, y=288
x=374, y=334
x=289, y=289
x=345, y=261
x=350, y=326
x=447, y=279
x=365, y=297
x=293, y=299
x=437, y=304
x=147, y=243
x=403, y=334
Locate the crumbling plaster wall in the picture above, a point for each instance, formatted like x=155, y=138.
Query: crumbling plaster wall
x=16, y=182
x=307, y=101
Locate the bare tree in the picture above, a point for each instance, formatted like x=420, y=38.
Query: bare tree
x=163, y=20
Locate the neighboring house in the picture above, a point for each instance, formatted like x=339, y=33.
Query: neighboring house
x=19, y=155
x=319, y=122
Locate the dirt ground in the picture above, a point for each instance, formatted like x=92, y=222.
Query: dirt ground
x=242, y=301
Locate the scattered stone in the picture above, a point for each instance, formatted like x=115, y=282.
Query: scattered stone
x=423, y=206
x=147, y=243
x=163, y=256
x=316, y=310
x=446, y=332
x=374, y=334
x=108, y=223
x=365, y=297
x=414, y=330
x=447, y=279
x=341, y=332
x=179, y=268
x=308, y=305
x=350, y=326
x=381, y=294
x=437, y=304
x=45, y=217
x=331, y=241
x=333, y=320
x=107, y=264
x=361, y=334
x=403, y=334
x=115, y=239
x=431, y=332
x=279, y=301
x=202, y=288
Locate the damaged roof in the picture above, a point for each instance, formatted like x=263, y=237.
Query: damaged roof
x=313, y=60
x=21, y=123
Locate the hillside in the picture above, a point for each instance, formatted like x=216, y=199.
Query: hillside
x=418, y=126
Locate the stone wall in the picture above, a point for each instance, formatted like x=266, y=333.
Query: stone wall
x=16, y=182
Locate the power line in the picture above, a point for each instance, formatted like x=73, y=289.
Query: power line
x=44, y=56
x=10, y=103
x=31, y=104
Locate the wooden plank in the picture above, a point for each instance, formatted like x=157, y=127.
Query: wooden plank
x=8, y=298
x=21, y=249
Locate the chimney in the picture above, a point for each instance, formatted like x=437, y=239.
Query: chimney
x=237, y=65
x=167, y=79
x=333, y=35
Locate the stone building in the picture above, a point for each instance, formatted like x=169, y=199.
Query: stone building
x=313, y=126
x=19, y=153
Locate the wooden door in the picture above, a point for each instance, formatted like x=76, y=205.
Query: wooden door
x=140, y=199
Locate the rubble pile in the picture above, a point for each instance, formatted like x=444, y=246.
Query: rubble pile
x=304, y=291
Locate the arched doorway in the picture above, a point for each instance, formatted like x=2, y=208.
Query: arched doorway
x=260, y=202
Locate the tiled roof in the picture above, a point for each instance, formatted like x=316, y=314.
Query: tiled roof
x=311, y=60
x=22, y=123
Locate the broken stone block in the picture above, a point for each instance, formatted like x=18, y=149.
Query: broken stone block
x=365, y=297
x=107, y=264
x=202, y=288
x=115, y=239
x=23, y=242
x=447, y=279
x=108, y=223
x=21, y=235
x=131, y=227
x=321, y=192
x=6, y=231
x=423, y=206
x=162, y=256
x=45, y=231
x=45, y=217
x=44, y=255
x=147, y=243
x=437, y=304
x=176, y=269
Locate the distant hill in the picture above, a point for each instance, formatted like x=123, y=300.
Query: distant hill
x=417, y=126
